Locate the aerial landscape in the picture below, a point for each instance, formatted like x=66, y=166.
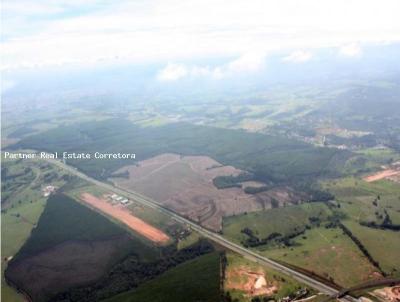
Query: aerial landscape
x=200, y=151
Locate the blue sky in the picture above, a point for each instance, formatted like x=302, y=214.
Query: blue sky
x=37, y=33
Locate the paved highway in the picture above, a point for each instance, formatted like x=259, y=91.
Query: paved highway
x=323, y=288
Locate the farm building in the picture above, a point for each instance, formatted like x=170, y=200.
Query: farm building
x=48, y=190
x=124, y=201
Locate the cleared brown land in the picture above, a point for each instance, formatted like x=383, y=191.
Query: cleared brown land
x=252, y=183
x=122, y=214
x=381, y=175
x=184, y=184
x=66, y=265
x=253, y=283
x=391, y=294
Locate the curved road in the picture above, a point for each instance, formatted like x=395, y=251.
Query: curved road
x=323, y=288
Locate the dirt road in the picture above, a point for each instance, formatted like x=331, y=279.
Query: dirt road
x=125, y=216
x=381, y=175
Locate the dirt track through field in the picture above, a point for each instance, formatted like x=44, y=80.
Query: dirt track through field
x=124, y=215
x=381, y=175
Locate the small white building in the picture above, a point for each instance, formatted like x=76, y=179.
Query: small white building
x=124, y=201
x=48, y=190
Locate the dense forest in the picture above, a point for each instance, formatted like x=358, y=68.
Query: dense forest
x=268, y=158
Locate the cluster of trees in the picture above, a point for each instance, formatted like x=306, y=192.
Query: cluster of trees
x=178, y=232
x=255, y=190
x=13, y=180
x=128, y=274
x=50, y=176
x=230, y=181
x=319, y=195
x=361, y=247
x=386, y=224
x=226, y=297
x=253, y=241
x=224, y=263
x=7, y=176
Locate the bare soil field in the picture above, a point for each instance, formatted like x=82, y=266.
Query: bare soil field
x=66, y=265
x=252, y=183
x=123, y=214
x=390, y=294
x=184, y=184
x=388, y=173
x=253, y=283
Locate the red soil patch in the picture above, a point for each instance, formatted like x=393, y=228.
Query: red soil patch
x=122, y=214
x=381, y=175
x=253, y=283
x=391, y=294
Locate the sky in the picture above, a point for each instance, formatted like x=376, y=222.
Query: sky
x=37, y=33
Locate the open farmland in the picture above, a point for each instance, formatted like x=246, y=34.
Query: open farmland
x=328, y=253
x=71, y=246
x=383, y=245
x=372, y=210
x=265, y=223
x=122, y=214
x=191, y=192
x=308, y=239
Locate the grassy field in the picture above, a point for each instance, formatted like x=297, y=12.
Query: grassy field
x=22, y=204
x=16, y=226
x=189, y=240
x=195, y=280
x=151, y=216
x=22, y=181
x=368, y=160
x=235, y=267
x=359, y=200
x=325, y=251
x=383, y=245
x=267, y=222
x=357, y=197
x=328, y=253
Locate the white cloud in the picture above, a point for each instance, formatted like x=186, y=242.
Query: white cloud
x=6, y=84
x=172, y=72
x=350, y=50
x=247, y=63
x=298, y=56
x=49, y=32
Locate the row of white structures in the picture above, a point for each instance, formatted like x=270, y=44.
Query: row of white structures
x=120, y=199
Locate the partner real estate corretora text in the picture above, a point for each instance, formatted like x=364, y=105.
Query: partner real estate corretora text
x=68, y=155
